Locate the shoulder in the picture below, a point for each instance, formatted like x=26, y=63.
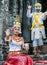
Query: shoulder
x=13, y=37
x=42, y=13
x=32, y=13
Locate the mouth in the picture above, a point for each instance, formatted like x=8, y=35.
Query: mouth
x=37, y=10
x=16, y=32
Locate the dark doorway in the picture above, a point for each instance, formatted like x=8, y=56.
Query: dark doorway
x=25, y=22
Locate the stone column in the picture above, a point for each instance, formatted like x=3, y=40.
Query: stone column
x=25, y=23
x=17, y=5
x=1, y=45
x=15, y=8
x=1, y=30
x=4, y=22
x=6, y=11
x=21, y=7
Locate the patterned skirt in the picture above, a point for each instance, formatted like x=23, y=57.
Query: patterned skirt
x=17, y=58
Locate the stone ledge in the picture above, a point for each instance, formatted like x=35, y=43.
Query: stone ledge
x=41, y=57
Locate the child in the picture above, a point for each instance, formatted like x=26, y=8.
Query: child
x=37, y=28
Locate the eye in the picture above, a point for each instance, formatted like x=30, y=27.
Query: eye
x=39, y=6
x=36, y=6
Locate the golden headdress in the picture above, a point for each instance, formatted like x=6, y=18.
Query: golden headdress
x=17, y=23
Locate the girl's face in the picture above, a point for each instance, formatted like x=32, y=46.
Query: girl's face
x=16, y=31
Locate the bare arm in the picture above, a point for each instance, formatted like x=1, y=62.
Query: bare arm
x=44, y=15
x=7, y=40
x=23, y=45
x=29, y=14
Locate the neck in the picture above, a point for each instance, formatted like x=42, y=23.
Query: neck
x=37, y=11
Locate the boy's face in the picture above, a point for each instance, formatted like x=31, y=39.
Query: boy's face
x=38, y=8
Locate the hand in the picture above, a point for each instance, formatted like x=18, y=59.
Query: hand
x=29, y=7
x=7, y=32
x=46, y=13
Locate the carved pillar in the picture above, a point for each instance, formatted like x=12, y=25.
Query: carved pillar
x=1, y=30
x=5, y=19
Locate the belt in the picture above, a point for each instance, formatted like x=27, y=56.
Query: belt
x=12, y=53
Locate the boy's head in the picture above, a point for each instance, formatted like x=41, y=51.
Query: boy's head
x=38, y=7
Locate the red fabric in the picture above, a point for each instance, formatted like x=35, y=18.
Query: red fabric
x=19, y=60
x=41, y=61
